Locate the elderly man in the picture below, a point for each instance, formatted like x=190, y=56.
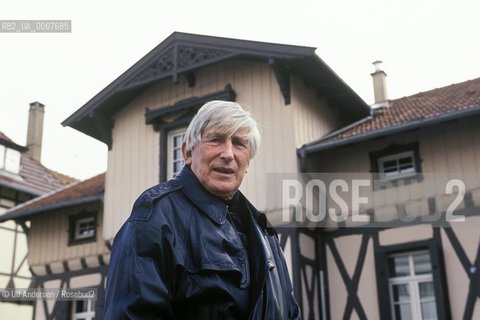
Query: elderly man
x=194, y=247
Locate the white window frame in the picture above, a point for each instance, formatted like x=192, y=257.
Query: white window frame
x=398, y=174
x=10, y=159
x=78, y=222
x=171, y=151
x=413, y=281
x=2, y=156
x=86, y=315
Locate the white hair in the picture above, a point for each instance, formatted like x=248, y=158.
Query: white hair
x=225, y=116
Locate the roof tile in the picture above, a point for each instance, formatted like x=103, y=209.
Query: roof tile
x=34, y=178
x=89, y=188
x=421, y=106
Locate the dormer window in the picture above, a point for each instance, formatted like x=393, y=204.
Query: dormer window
x=398, y=165
x=10, y=159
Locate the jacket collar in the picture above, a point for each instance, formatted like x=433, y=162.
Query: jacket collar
x=211, y=205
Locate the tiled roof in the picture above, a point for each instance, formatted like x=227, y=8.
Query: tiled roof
x=421, y=107
x=62, y=178
x=34, y=178
x=89, y=190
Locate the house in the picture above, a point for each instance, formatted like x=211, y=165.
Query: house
x=22, y=177
x=65, y=246
x=142, y=116
x=418, y=258
x=312, y=125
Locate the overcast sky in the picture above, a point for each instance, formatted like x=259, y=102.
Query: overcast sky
x=424, y=44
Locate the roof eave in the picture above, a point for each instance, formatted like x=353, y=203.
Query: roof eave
x=90, y=117
x=22, y=188
x=309, y=149
x=28, y=213
x=361, y=106
x=237, y=47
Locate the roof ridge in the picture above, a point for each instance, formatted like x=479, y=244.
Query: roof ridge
x=61, y=178
x=435, y=89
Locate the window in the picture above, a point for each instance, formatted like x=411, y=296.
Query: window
x=83, y=227
x=10, y=159
x=175, y=159
x=395, y=165
x=2, y=156
x=412, y=292
x=399, y=165
x=169, y=119
x=83, y=309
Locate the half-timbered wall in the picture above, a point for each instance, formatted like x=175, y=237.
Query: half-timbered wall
x=355, y=258
x=133, y=161
x=91, y=278
x=14, y=267
x=461, y=244
x=350, y=266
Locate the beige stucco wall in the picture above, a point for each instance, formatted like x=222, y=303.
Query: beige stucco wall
x=133, y=162
x=48, y=239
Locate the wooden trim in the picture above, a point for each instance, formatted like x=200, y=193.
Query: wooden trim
x=162, y=159
x=440, y=276
x=101, y=260
x=321, y=247
x=83, y=262
x=61, y=308
x=66, y=268
x=282, y=74
x=471, y=269
x=351, y=284
x=188, y=105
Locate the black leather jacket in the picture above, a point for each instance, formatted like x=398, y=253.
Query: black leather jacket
x=179, y=257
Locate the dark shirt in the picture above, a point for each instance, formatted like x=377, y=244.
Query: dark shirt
x=238, y=216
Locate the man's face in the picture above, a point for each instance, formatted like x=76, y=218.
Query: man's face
x=219, y=161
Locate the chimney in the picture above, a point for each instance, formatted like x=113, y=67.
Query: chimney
x=35, y=130
x=379, y=85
